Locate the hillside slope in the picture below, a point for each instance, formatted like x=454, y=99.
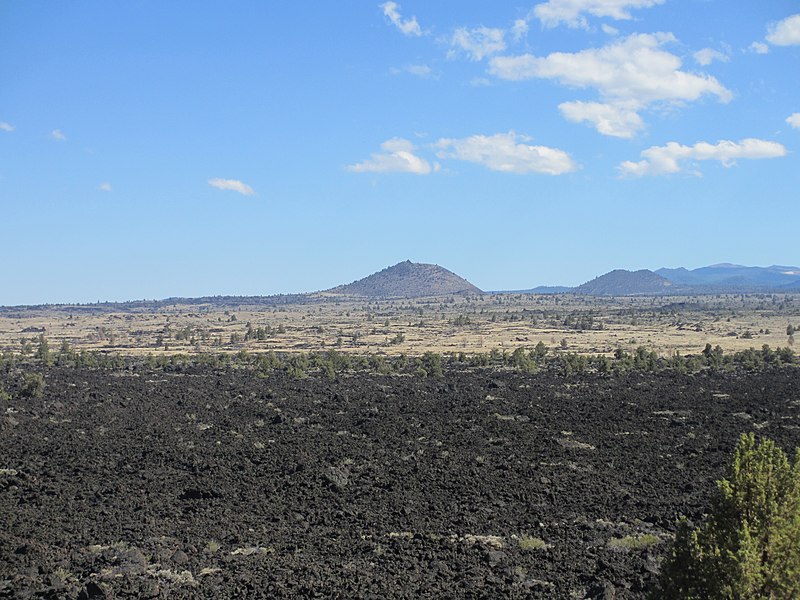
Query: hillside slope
x=626, y=283
x=408, y=280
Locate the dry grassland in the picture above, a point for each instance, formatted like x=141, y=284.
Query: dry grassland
x=413, y=326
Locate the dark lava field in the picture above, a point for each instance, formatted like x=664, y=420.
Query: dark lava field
x=216, y=483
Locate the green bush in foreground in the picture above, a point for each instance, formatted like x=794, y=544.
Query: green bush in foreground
x=749, y=546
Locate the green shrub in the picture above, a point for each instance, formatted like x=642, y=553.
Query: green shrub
x=431, y=363
x=748, y=547
x=380, y=366
x=522, y=362
x=328, y=369
x=297, y=366
x=634, y=542
x=43, y=351
x=32, y=385
x=529, y=543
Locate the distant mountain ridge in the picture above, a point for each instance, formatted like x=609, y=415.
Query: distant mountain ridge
x=417, y=280
x=414, y=280
x=543, y=289
x=715, y=279
x=735, y=276
x=408, y=280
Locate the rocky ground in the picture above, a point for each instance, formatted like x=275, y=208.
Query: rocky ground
x=221, y=484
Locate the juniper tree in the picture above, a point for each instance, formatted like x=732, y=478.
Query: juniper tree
x=748, y=547
x=43, y=351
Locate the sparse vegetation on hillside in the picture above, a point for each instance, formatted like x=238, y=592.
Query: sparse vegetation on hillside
x=409, y=280
x=623, y=283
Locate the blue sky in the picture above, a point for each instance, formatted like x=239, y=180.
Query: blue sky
x=152, y=149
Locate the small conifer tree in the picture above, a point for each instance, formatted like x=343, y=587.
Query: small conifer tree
x=43, y=352
x=749, y=546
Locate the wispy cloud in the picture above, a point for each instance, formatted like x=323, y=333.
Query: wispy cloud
x=480, y=82
x=104, y=187
x=673, y=158
x=759, y=48
x=396, y=156
x=233, y=185
x=6, y=127
x=519, y=29
x=794, y=120
x=706, y=56
x=785, y=32
x=477, y=43
x=609, y=30
x=422, y=71
x=58, y=135
x=630, y=74
x=408, y=27
x=571, y=12
x=503, y=152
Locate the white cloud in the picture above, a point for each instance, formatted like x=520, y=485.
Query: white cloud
x=104, y=187
x=663, y=160
x=421, y=71
x=633, y=68
x=502, y=152
x=615, y=120
x=408, y=26
x=609, y=30
x=231, y=184
x=706, y=56
x=58, y=135
x=519, y=29
x=6, y=126
x=759, y=48
x=570, y=12
x=794, y=120
x=397, y=156
x=630, y=74
x=478, y=42
x=785, y=32
x=480, y=82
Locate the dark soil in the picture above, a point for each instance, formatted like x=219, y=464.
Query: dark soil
x=220, y=484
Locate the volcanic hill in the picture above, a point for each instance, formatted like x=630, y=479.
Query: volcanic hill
x=626, y=283
x=408, y=280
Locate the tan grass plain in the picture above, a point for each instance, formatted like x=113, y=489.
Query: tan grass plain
x=470, y=325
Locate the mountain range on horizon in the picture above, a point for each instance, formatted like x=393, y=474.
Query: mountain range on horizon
x=408, y=279
x=416, y=280
x=728, y=274
x=714, y=279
